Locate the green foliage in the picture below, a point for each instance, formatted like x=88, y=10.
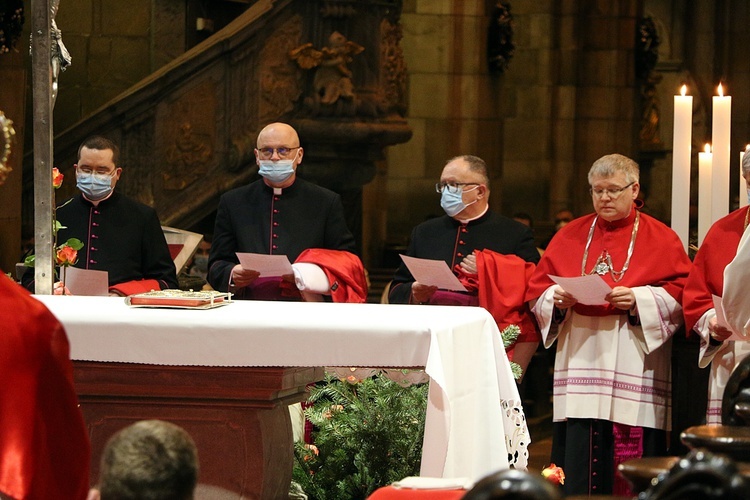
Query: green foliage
x=367, y=435
x=509, y=335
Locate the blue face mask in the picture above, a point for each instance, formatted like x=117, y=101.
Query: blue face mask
x=453, y=202
x=95, y=187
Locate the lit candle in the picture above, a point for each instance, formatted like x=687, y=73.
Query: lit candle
x=743, y=183
x=722, y=122
x=683, y=121
x=704, y=193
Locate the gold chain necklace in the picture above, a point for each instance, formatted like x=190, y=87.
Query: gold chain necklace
x=603, y=264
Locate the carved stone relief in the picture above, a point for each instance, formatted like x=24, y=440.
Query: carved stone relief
x=189, y=135
x=279, y=77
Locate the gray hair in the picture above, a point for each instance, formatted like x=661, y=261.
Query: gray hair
x=609, y=165
x=476, y=165
x=746, y=162
x=149, y=460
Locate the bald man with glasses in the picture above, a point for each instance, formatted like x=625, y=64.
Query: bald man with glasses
x=277, y=214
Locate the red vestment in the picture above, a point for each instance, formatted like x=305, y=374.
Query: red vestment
x=707, y=275
x=44, y=446
x=658, y=257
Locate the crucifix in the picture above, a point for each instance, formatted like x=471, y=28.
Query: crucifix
x=48, y=57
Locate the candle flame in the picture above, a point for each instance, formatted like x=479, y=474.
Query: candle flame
x=708, y=148
x=721, y=91
x=683, y=90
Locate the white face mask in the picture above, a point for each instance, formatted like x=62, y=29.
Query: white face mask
x=277, y=171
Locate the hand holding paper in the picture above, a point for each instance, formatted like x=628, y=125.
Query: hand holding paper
x=433, y=273
x=590, y=289
x=266, y=265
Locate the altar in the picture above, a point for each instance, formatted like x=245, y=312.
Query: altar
x=252, y=356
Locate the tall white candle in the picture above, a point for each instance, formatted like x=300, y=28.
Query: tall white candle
x=704, y=193
x=743, y=183
x=720, y=135
x=681, y=138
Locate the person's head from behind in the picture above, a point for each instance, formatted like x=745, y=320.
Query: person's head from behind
x=97, y=172
x=515, y=484
x=148, y=460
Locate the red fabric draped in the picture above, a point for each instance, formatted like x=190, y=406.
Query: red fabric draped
x=502, y=286
x=135, y=286
x=658, y=257
x=345, y=272
x=44, y=447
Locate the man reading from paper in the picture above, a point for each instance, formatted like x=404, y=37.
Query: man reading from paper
x=280, y=214
x=492, y=255
x=120, y=235
x=612, y=367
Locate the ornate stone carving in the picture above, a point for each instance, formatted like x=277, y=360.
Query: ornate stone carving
x=279, y=77
x=392, y=69
x=333, y=78
x=189, y=135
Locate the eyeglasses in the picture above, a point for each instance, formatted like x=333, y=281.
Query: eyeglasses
x=283, y=152
x=103, y=171
x=613, y=193
x=453, y=187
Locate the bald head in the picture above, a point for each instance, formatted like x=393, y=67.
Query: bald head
x=278, y=131
x=278, y=154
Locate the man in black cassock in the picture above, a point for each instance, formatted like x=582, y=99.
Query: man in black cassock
x=279, y=214
x=119, y=235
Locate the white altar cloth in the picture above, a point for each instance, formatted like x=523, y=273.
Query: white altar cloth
x=474, y=422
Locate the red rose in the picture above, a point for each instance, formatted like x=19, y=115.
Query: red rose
x=57, y=178
x=554, y=474
x=66, y=256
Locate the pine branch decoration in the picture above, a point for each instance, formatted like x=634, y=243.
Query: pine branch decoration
x=510, y=334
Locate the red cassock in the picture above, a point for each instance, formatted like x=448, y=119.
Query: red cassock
x=44, y=446
x=658, y=257
x=707, y=276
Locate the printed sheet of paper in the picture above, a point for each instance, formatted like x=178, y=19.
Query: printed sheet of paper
x=590, y=289
x=86, y=281
x=266, y=265
x=721, y=319
x=433, y=273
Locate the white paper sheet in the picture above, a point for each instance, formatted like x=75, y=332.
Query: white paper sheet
x=266, y=265
x=721, y=319
x=433, y=273
x=86, y=281
x=590, y=289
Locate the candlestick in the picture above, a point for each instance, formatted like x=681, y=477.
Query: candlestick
x=720, y=135
x=683, y=121
x=704, y=192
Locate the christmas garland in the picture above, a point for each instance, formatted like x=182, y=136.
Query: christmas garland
x=11, y=24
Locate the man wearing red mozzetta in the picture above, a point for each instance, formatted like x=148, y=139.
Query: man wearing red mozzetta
x=119, y=235
x=612, y=368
